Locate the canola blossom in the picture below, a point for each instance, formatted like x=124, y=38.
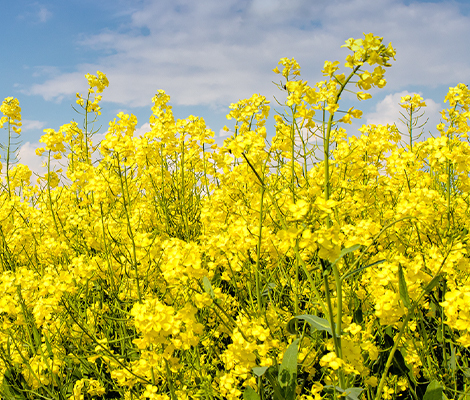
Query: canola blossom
x=322, y=264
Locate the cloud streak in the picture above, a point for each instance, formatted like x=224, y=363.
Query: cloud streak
x=208, y=54
x=37, y=13
x=213, y=53
x=43, y=14
x=388, y=111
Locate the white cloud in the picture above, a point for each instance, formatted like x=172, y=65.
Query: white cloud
x=98, y=137
x=36, y=12
x=388, y=112
x=215, y=53
x=30, y=125
x=60, y=87
x=142, y=130
x=224, y=133
x=43, y=13
x=27, y=156
x=204, y=52
x=428, y=52
x=45, y=70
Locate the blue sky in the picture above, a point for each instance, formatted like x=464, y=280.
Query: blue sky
x=207, y=54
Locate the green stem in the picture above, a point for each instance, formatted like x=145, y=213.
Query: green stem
x=107, y=250
x=49, y=193
x=448, y=170
x=411, y=129
x=336, y=338
x=258, y=253
x=327, y=190
x=126, y=202
x=183, y=189
x=170, y=383
x=284, y=226
x=404, y=325
x=292, y=155
x=8, y=158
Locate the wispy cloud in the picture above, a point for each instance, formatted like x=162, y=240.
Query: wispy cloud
x=27, y=155
x=43, y=13
x=29, y=125
x=212, y=53
x=45, y=71
x=388, y=112
x=60, y=87
x=36, y=12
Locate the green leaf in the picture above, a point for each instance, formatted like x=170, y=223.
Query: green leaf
x=405, y=298
x=434, y=282
x=208, y=287
x=37, y=336
x=315, y=322
x=347, y=251
x=48, y=345
x=439, y=336
x=270, y=375
x=288, y=372
x=353, y=393
x=349, y=393
x=358, y=315
x=399, y=366
x=362, y=268
x=270, y=287
x=452, y=363
x=434, y=391
x=250, y=394
x=259, y=371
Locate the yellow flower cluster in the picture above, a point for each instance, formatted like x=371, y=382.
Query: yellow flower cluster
x=11, y=111
x=166, y=266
